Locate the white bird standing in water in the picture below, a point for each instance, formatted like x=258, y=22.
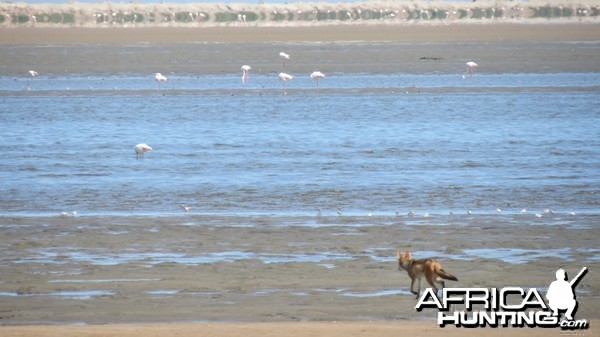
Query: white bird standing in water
x=140, y=149
x=284, y=57
x=245, y=73
x=316, y=76
x=470, y=68
x=31, y=74
x=285, y=77
x=158, y=77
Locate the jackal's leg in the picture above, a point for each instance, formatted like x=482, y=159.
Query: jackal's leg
x=418, y=292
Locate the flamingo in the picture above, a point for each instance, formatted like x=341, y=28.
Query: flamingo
x=140, y=149
x=31, y=74
x=316, y=75
x=158, y=77
x=284, y=57
x=285, y=77
x=470, y=68
x=245, y=73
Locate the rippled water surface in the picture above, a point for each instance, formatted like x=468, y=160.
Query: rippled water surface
x=365, y=143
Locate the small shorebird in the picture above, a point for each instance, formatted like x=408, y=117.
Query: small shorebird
x=245, y=73
x=140, y=149
x=158, y=77
x=185, y=208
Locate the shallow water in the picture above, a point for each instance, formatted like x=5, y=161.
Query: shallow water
x=365, y=143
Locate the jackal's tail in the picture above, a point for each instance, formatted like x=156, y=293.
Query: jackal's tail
x=443, y=274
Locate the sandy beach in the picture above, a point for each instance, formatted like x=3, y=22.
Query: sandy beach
x=314, y=329
x=347, y=281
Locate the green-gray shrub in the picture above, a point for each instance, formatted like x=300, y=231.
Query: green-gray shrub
x=20, y=18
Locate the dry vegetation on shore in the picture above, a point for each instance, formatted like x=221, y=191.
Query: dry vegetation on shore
x=135, y=14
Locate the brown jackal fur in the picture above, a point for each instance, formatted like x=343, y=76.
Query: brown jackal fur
x=429, y=268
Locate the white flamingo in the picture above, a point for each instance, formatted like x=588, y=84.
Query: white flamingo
x=316, y=75
x=140, y=149
x=284, y=57
x=31, y=74
x=285, y=77
x=471, y=68
x=158, y=77
x=245, y=73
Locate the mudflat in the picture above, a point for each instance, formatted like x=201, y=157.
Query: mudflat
x=191, y=268
x=497, y=48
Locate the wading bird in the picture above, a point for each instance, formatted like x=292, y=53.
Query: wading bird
x=316, y=75
x=140, y=149
x=158, y=77
x=470, y=68
x=245, y=73
x=31, y=74
x=285, y=77
x=284, y=57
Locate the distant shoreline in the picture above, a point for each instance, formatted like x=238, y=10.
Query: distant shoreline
x=133, y=14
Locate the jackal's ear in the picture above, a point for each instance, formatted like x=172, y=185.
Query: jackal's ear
x=407, y=254
x=398, y=254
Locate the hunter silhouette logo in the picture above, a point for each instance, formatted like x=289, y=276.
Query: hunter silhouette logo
x=561, y=293
x=509, y=306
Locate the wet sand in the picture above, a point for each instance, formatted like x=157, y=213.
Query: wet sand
x=502, y=48
x=196, y=268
